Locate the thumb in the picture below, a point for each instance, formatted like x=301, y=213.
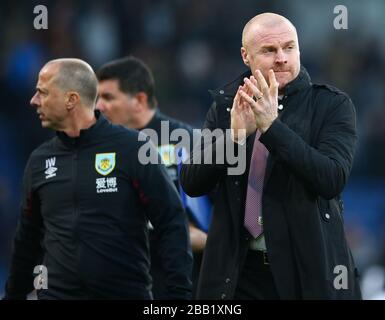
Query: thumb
x=237, y=99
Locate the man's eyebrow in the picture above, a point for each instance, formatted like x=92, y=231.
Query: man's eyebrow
x=289, y=42
x=270, y=45
x=107, y=95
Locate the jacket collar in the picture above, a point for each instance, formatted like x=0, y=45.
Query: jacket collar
x=301, y=82
x=153, y=121
x=86, y=135
x=229, y=90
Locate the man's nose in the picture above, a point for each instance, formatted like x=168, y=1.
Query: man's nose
x=34, y=101
x=100, y=105
x=280, y=57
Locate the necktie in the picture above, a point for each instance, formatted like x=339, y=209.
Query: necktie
x=253, y=210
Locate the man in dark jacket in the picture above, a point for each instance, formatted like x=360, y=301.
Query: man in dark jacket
x=127, y=97
x=87, y=200
x=277, y=229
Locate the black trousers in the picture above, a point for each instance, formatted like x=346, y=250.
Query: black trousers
x=256, y=280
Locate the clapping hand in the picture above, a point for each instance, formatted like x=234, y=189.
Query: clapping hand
x=265, y=104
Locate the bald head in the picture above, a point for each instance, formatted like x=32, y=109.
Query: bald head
x=264, y=21
x=75, y=75
x=270, y=42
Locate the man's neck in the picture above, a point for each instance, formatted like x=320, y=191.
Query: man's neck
x=83, y=119
x=142, y=120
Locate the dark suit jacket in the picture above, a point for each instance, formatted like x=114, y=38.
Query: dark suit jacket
x=311, y=147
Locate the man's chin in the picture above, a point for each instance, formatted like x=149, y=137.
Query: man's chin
x=45, y=124
x=282, y=77
x=117, y=121
x=108, y=117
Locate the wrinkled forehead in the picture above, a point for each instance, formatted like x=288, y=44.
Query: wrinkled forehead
x=272, y=35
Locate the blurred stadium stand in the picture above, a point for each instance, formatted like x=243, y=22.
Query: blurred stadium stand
x=193, y=45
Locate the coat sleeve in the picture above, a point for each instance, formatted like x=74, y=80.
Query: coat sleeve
x=165, y=211
x=27, y=250
x=196, y=176
x=324, y=167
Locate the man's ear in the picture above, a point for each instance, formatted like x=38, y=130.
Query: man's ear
x=71, y=100
x=245, y=56
x=142, y=99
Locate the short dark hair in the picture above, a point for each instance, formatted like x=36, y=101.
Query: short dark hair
x=133, y=76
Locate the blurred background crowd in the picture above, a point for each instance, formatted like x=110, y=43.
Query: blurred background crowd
x=193, y=46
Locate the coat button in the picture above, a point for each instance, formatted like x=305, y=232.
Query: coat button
x=221, y=92
x=327, y=216
x=223, y=296
x=236, y=183
x=227, y=280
